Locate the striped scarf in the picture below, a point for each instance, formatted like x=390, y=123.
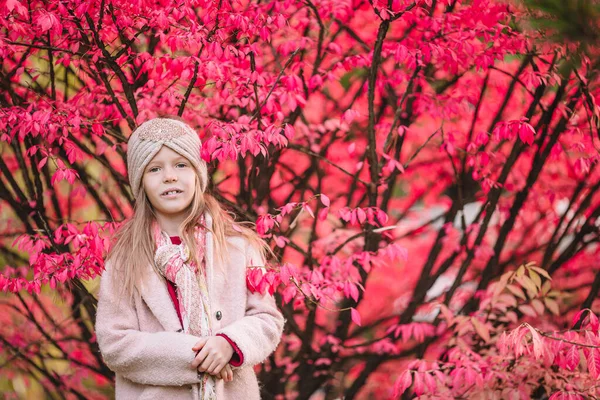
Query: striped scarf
x=174, y=263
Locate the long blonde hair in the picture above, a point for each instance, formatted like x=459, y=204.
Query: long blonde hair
x=134, y=245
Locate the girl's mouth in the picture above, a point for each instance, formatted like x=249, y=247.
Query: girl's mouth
x=171, y=194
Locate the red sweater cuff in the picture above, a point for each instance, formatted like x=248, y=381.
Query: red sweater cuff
x=237, y=358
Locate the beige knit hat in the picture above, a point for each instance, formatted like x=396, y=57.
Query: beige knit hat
x=149, y=137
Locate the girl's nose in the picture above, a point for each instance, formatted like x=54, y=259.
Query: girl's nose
x=170, y=175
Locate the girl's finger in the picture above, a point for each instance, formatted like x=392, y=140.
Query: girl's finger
x=199, y=359
x=223, y=374
x=227, y=372
x=205, y=364
x=214, y=368
x=200, y=344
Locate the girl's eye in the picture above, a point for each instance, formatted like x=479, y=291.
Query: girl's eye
x=153, y=169
x=181, y=165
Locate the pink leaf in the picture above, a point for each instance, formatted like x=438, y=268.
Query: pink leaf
x=353, y=291
x=10, y=4
x=418, y=387
x=355, y=316
x=385, y=14
x=577, y=316
x=325, y=200
x=362, y=216
x=538, y=347
x=236, y=228
x=15, y=4
x=42, y=162
x=470, y=376
x=593, y=321
x=47, y=21
x=430, y=382
x=481, y=329
x=349, y=115
x=281, y=241
x=322, y=216
x=457, y=378
x=309, y=210
x=593, y=361
x=402, y=383
x=526, y=133
x=289, y=293
x=566, y=396
x=527, y=310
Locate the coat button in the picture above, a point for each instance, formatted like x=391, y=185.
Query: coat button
x=219, y=315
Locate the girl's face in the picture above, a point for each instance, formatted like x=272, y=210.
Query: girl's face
x=169, y=182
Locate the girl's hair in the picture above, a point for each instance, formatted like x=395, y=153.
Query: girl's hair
x=134, y=246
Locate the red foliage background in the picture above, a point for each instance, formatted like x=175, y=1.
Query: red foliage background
x=426, y=172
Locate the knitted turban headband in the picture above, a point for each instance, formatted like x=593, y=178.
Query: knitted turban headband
x=148, y=139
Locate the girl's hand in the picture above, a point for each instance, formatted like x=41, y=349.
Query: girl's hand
x=226, y=373
x=215, y=353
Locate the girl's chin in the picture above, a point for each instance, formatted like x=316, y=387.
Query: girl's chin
x=173, y=209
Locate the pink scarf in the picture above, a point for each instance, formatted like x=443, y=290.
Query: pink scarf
x=175, y=264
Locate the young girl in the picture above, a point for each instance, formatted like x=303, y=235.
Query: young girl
x=175, y=319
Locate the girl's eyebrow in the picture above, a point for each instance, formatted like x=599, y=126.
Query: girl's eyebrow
x=157, y=162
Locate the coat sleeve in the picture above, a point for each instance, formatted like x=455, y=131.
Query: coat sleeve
x=258, y=333
x=149, y=358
